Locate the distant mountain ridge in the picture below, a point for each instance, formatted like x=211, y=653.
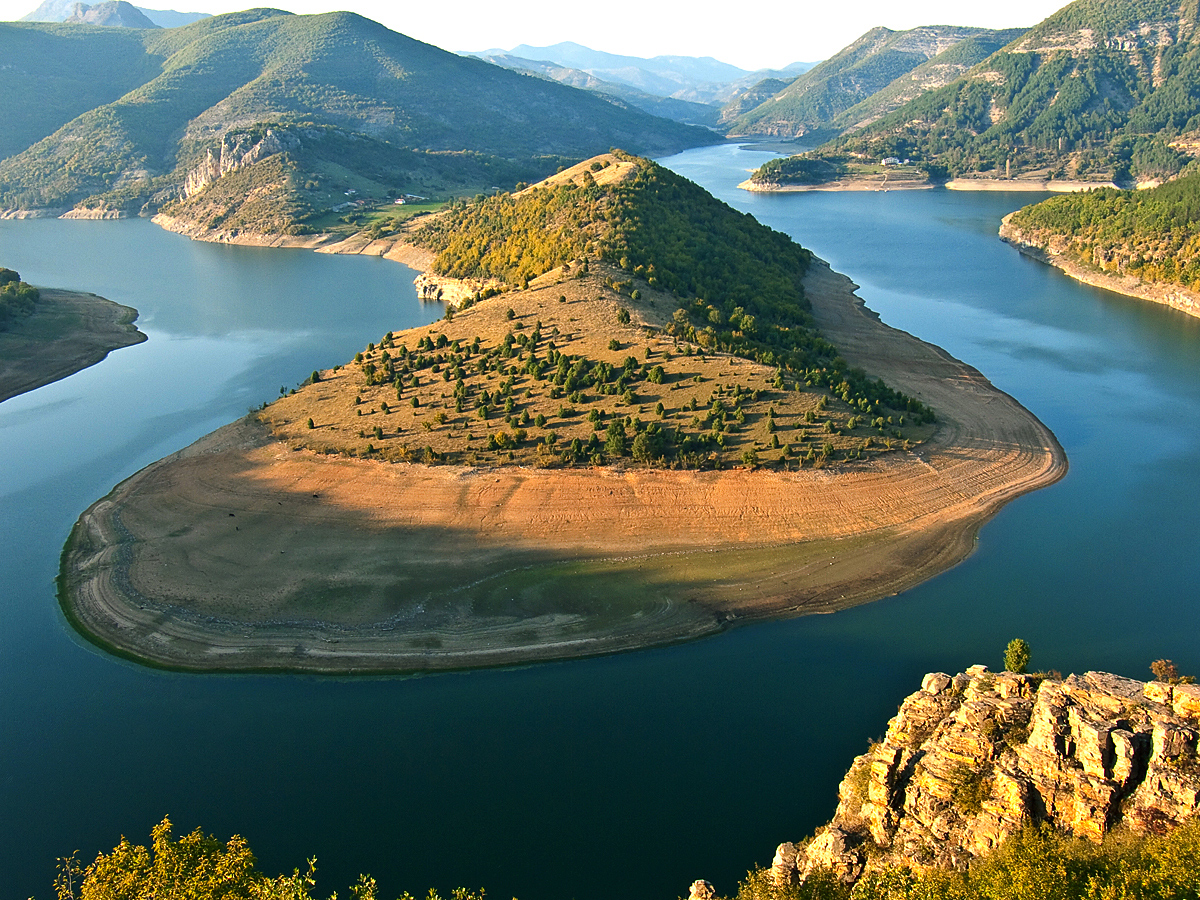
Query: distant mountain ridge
x=167, y=99
x=691, y=78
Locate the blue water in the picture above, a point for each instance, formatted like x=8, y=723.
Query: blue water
x=630, y=775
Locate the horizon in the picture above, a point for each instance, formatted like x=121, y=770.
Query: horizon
x=474, y=26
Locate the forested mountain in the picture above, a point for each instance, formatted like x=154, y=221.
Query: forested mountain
x=937, y=72
x=178, y=93
x=819, y=96
x=1102, y=89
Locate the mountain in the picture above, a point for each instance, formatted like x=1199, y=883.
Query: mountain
x=113, y=13
x=753, y=96
x=699, y=79
x=62, y=10
x=184, y=90
x=667, y=107
x=1101, y=90
x=865, y=67
x=937, y=72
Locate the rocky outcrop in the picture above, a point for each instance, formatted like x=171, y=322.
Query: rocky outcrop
x=236, y=151
x=970, y=759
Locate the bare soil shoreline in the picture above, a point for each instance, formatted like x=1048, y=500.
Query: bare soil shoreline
x=67, y=332
x=1171, y=295
x=242, y=554
x=875, y=183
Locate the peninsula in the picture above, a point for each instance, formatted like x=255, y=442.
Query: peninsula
x=60, y=333
x=1137, y=243
x=648, y=417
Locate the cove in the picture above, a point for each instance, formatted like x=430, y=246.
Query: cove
x=632, y=774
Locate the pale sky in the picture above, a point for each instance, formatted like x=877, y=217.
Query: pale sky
x=763, y=34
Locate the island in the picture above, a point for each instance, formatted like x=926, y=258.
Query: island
x=645, y=418
x=47, y=334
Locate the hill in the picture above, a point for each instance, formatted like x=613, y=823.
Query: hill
x=819, y=96
x=187, y=89
x=1141, y=243
x=643, y=416
x=1099, y=91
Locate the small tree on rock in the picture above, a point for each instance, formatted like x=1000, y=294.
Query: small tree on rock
x=1016, y=656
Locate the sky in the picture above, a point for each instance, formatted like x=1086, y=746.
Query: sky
x=765, y=34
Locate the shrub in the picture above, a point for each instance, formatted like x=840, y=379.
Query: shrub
x=1016, y=656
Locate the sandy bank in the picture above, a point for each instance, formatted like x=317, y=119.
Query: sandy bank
x=1053, y=254
x=240, y=553
x=845, y=184
x=958, y=184
x=67, y=332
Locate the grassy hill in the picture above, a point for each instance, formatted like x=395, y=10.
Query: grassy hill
x=628, y=315
x=1098, y=91
x=187, y=88
x=819, y=96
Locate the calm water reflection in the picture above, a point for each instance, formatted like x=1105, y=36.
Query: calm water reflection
x=631, y=775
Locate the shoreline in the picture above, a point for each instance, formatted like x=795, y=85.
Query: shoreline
x=1174, y=296
x=655, y=556
x=67, y=332
x=998, y=185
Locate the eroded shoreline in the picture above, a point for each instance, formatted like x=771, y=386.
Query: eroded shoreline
x=68, y=331
x=1171, y=295
x=239, y=553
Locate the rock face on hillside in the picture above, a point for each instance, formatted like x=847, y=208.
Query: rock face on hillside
x=237, y=150
x=972, y=758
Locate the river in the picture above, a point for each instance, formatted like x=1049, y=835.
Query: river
x=630, y=775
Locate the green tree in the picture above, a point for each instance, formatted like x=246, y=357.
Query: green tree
x=1016, y=656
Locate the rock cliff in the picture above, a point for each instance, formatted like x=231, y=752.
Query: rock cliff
x=970, y=759
x=237, y=150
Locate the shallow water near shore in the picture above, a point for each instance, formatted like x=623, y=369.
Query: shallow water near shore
x=630, y=775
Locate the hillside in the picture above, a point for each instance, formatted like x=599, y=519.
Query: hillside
x=985, y=783
x=1099, y=91
x=819, y=96
x=188, y=88
x=1142, y=243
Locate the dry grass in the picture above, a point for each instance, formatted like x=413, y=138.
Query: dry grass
x=785, y=424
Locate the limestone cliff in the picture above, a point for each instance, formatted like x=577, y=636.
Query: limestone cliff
x=970, y=759
x=236, y=151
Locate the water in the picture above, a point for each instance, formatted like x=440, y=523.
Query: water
x=630, y=775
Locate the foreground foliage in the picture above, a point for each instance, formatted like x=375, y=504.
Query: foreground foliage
x=1034, y=864
x=197, y=867
x=1152, y=234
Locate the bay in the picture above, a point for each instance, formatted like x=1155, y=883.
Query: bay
x=632, y=774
